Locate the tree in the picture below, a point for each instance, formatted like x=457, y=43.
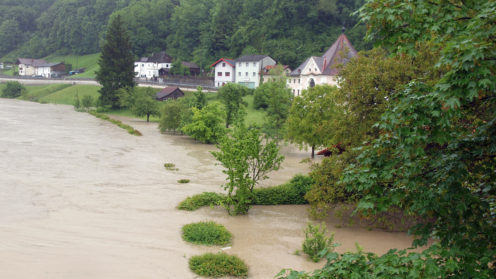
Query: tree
x=141, y=101
x=10, y=36
x=171, y=115
x=231, y=96
x=116, y=63
x=177, y=68
x=206, y=124
x=87, y=102
x=310, y=115
x=200, y=98
x=248, y=157
x=13, y=89
x=279, y=103
x=435, y=156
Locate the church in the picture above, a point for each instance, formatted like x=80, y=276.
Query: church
x=318, y=70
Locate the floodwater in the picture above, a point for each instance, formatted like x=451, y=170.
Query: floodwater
x=82, y=198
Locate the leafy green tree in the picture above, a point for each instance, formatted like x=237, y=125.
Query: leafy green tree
x=279, y=103
x=87, y=102
x=13, y=89
x=116, y=63
x=141, y=101
x=310, y=115
x=200, y=98
x=435, y=157
x=231, y=96
x=172, y=113
x=177, y=68
x=77, y=102
x=10, y=36
x=248, y=157
x=206, y=124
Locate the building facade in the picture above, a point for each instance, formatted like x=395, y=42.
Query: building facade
x=51, y=70
x=224, y=71
x=318, y=70
x=267, y=76
x=28, y=66
x=249, y=68
x=158, y=64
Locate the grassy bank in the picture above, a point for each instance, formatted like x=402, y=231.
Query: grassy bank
x=90, y=62
x=67, y=96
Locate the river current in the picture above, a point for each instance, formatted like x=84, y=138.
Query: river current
x=82, y=198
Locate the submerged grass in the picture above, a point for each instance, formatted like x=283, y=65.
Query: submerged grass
x=129, y=129
x=199, y=200
x=183, y=181
x=218, y=265
x=207, y=233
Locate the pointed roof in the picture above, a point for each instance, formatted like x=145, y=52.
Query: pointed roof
x=30, y=61
x=160, y=57
x=231, y=62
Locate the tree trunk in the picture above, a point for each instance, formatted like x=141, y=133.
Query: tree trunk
x=313, y=152
x=147, y=118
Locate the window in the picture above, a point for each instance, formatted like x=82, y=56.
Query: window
x=316, y=69
x=298, y=80
x=219, y=74
x=293, y=91
x=254, y=64
x=294, y=81
x=135, y=65
x=298, y=92
x=228, y=74
x=167, y=65
x=246, y=74
x=240, y=64
x=246, y=64
x=309, y=69
x=223, y=64
x=239, y=74
x=142, y=65
x=254, y=74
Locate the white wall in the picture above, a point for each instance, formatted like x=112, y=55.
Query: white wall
x=223, y=68
x=250, y=71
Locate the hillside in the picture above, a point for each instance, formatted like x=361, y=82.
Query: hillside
x=201, y=31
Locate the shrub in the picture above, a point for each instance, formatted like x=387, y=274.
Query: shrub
x=292, y=192
x=183, y=181
x=315, y=241
x=13, y=89
x=209, y=233
x=102, y=109
x=218, y=265
x=170, y=166
x=203, y=199
x=87, y=102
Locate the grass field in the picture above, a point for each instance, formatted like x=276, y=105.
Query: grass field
x=90, y=62
x=7, y=72
x=67, y=95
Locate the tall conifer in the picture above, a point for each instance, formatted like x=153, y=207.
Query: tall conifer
x=116, y=63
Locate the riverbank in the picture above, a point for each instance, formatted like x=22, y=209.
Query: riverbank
x=81, y=198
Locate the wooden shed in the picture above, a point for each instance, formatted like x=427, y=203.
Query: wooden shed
x=169, y=93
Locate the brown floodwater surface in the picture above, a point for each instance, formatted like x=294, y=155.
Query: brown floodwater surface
x=82, y=198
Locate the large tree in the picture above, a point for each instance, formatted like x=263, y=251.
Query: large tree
x=231, y=95
x=141, y=101
x=116, y=63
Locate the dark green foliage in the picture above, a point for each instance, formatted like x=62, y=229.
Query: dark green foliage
x=206, y=124
x=141, y=101
x=179, y=69
x=315, y=241
x=87, y=102
x=218, y=265
x=260, y=97
x=292, y=192
x=77, y=102
x=200, y=98
x=183, y=181
x=231, y=96
x=208, y=233
x=116, y=63
x=199, y=200
x=13, y=89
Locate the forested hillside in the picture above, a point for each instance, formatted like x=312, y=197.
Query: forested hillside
x=195, y=30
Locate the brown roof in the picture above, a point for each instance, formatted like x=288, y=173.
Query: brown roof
x=190, y=65
x=334, y=55
x=266, y=69
x=30, y=61
x=167, y=91
x=160, y=57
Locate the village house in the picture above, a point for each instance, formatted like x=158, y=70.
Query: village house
x=318, y=70
x=225, y=70
x=51, y=70
x=28, y=66
x=169, y=93
x=158, y=64
x=267, y=76
x=1, y=65
x=249, y=68
x=194, y=69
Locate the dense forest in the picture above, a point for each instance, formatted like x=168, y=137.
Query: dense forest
x=201, y=31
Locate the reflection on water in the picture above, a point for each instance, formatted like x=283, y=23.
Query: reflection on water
x=81, y=198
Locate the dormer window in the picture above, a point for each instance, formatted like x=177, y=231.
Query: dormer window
x=223, y=64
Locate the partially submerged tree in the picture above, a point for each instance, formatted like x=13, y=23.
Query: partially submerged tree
x=141, y=101
x=248, y=157
x=200, y=98
x=231, y=96
x=172, y=113
x=206, y=124
x=279, y=101
x=116, y=63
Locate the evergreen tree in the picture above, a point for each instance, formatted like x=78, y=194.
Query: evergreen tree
x=116, y=63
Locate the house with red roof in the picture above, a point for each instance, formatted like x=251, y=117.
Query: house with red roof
x=318, y=70
x=224, y=71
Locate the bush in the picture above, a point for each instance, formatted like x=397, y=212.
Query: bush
x=102, y=109
x=209, y=233
x=315, y=241
x=203, y=199
x=218, y=265
x=13, y=89
x=87, y=102
x=183, y=181
x=292, y=192
x=170, y=166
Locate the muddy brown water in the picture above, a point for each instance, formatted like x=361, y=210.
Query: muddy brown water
x=81, y=198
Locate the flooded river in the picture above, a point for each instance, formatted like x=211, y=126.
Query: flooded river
x=82, y=198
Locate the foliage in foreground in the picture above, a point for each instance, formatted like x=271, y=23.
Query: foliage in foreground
x=199, y=200
x=183, y=181
x=208, y=233
x=13, y=89
x=218, y=265
x=206, y=124
x=247, y=159
x=435, y=157
x=316, y=241
x=119, y=123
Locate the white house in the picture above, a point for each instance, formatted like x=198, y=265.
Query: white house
x=1, y=65
x=156, y=65
x=27, y=66
x=49, y=69
x=225, y=70
x=249, y=67
x=318, y=70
